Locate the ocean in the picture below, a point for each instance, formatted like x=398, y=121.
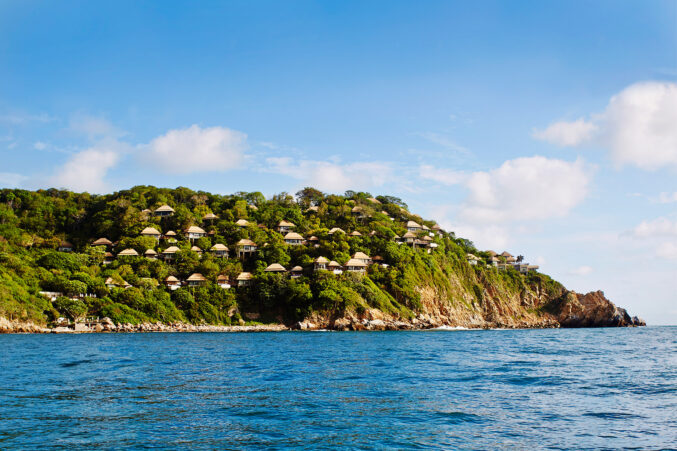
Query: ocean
x=474, y=389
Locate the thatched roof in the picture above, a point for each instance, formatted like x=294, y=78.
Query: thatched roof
x=165, y=208
x=355, y=262
x=436, y=227
x=151, y=231
x=293, y=236
x=111, y=281
x=355, y=233
x=275, y=267
x=321, y=260
x=409, y=235
x=171, y=250
x=195, y=229
x=170, y=233
x=313, y=238
x=333, y=264
x=412, y=224
x=296, y=269
x=210, y=216
x=129, y=252
x=246, y=242
x=150, y=252
x=102, y=242
x=196, y=249
x=361, y=255
x=426, y=238
x=506, y=254
x=242, y=222
x=196, y=277
x=219, y=247
x=284, y=223
x=510, y=259
x=171, y=279
x=245, y=276
x=222, y=278
x=335, y=230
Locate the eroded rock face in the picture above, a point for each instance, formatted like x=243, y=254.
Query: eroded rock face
x=14, y=327
x=591, y=310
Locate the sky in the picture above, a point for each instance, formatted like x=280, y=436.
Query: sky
x=548, y=129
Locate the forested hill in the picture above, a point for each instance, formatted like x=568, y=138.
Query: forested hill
x=347, y=262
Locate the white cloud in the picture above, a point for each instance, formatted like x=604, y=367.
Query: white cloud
x=86, y=170
x=196, y=149
x=640, y=125
x=22, y=118
x=667, y=250
x=94, y=127
x=444, y=141
x=637, y=127
x=333, y=177
x=655, y=228
x=567, y=134
x=666, y=198
x=581, y=271
x=11, y=180
x=500, y=201
x=654, y=234
x=532, y=188
x=442, y=175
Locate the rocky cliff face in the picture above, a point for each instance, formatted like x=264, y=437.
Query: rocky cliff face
x=530, y=308
x=590, y=310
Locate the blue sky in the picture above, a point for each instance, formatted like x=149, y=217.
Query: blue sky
x=545, y=128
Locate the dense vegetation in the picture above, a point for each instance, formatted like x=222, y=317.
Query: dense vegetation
x=33, y=225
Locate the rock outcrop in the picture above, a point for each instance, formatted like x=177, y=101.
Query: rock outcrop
x=591, y=310
x=16, y=327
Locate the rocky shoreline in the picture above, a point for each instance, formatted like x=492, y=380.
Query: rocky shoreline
x=570, y=310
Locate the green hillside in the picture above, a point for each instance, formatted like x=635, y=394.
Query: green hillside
x=47, y=237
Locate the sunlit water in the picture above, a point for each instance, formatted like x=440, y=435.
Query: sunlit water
x=524, y=389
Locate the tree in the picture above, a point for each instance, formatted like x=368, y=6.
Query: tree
x=75, y=309
x=309, y=196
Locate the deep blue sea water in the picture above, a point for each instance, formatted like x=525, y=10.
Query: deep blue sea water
x=522, y=389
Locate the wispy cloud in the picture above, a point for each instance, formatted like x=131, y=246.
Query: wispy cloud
x=25, y=118
x=333, y=177
x=581, y=271
x=443, y=140
x=11, y=180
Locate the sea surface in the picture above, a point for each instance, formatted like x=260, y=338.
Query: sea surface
x=501, y=389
